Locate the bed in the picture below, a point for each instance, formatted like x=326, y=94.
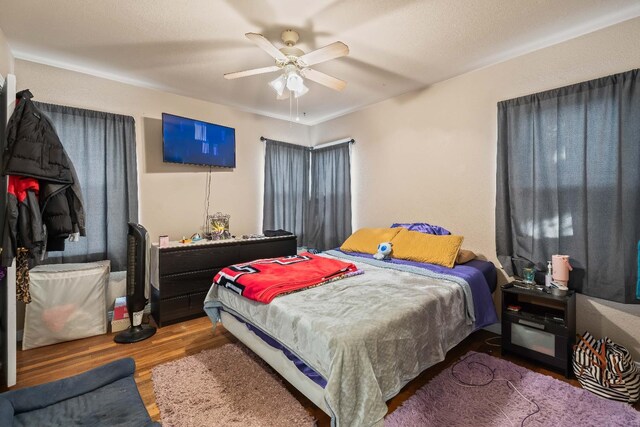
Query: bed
x=352, y=344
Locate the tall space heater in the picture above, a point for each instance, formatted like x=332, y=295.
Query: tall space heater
x=137, y=285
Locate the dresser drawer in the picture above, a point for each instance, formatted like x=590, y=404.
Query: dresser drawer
x=186, y=283
x=196, y=301
x=268, y=249
x=187, y=306
x=197, y=259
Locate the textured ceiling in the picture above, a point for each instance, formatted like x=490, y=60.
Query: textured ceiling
x=396, y=45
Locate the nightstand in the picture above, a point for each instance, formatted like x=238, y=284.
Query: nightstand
x=543, y=329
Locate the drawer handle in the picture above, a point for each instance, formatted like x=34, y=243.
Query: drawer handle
x=531, y=324
x=213, y=272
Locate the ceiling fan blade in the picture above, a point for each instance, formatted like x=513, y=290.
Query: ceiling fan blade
x=238, y=74
x=332, y=51
x=324, y=79
x=266, y=45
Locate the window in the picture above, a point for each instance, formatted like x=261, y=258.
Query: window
x=308, y=192
x=568, y=182
x=102, y=149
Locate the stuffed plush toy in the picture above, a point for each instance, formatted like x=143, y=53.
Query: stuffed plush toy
x=384, y=251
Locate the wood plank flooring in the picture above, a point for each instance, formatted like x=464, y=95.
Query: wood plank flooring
x=57, y=361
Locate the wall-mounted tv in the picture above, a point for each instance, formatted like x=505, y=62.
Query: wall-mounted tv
x=189, y=141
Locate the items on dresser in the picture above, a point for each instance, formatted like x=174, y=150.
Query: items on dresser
x=275, y=233
x=164, y=241
x=219, y=226
x=181, y=275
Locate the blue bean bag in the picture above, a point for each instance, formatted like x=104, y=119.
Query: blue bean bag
x=104, y=396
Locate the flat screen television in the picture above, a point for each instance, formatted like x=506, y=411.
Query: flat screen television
x=189, y=141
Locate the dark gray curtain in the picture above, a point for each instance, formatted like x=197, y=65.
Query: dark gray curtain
x=102, y=147
x=286, y=188
x=568, y=182
x=329, y=222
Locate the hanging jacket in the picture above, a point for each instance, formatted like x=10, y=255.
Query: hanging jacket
x=23, y=224
x=62, y=210
x=34, y=150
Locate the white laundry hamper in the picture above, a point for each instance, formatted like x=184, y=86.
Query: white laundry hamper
x=68, y=302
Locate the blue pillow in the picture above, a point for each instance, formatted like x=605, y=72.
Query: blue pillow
x=423, y=227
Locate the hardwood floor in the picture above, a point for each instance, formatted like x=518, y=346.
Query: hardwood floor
x=44, y=364
x=57, y=361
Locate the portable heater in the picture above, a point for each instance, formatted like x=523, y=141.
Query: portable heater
x=137, y=285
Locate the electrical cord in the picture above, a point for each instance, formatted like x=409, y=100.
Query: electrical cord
x=207, y=196
x=492, y=373
x=488, y=341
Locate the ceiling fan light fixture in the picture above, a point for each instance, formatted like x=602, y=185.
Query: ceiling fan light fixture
x=279, y=84
x=293, y=64
x=303, y=90
x=295, y=82
x=285, y=95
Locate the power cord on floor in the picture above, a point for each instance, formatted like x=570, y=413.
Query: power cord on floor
x=492, y=372
x=488, y=341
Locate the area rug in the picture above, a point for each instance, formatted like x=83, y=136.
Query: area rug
x=226, y=386
x=475, y=392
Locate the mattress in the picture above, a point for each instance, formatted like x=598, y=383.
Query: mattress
x=366, y=336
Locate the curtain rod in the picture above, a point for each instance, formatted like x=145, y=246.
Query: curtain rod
x=336, y=142
x=350, y=141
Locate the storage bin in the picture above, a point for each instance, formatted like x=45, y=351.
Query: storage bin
x=68, y=302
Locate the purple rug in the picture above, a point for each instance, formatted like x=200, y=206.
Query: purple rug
x=537, y=400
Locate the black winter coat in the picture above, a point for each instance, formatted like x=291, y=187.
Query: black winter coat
x=33, y=149
x=23, y=221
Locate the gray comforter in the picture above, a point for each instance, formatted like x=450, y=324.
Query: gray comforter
x=367, y=335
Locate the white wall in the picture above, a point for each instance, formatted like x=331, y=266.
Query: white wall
x=430, y=155
x=172, y=196
x=6, y=57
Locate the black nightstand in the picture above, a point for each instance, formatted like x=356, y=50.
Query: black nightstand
x=544, y=329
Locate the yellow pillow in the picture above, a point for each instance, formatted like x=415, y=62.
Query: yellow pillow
x=429, y=248
x=366, y=240
x=465, y=256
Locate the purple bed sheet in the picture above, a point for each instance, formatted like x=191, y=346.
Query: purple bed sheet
x=481, y=276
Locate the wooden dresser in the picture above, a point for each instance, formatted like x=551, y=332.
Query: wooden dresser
x=181, y=274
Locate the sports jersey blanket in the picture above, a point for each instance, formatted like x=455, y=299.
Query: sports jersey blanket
x=264, y=279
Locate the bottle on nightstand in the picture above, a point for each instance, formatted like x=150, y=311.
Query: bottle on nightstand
x=548, y=278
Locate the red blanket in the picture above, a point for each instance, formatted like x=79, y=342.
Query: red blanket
x=264, y=279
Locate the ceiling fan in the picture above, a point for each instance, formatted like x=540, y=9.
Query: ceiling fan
x=294, y=64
